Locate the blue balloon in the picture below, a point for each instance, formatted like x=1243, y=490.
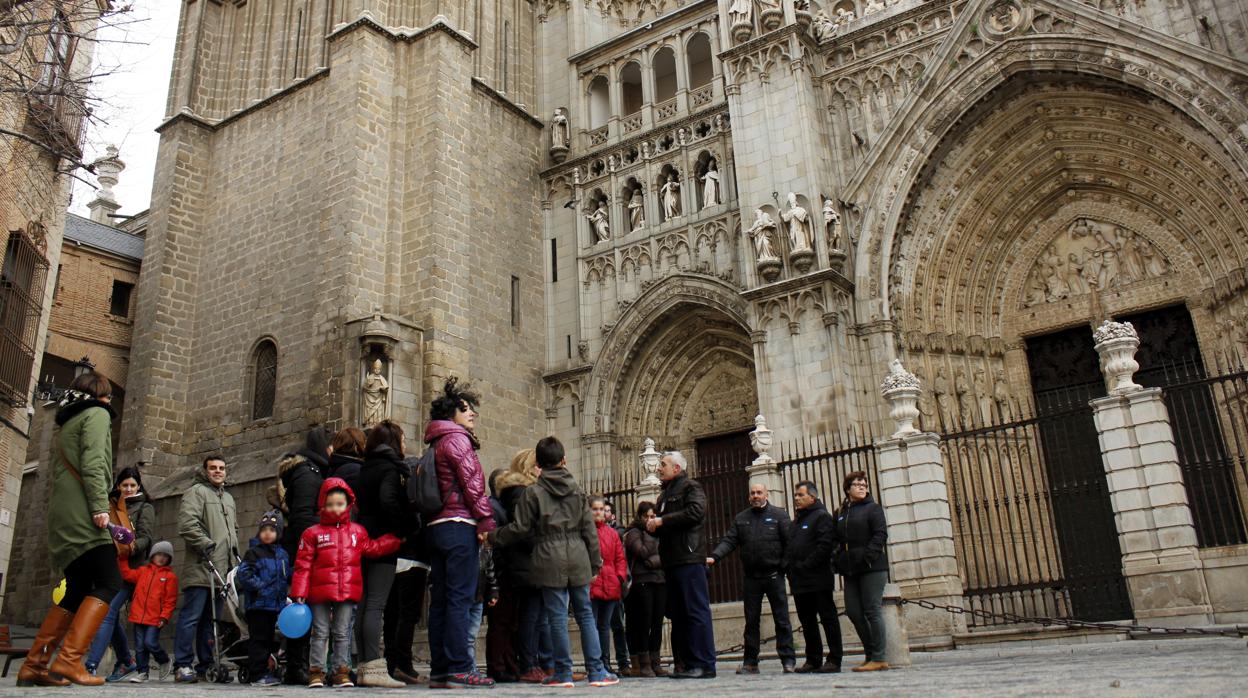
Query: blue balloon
x=295, y=620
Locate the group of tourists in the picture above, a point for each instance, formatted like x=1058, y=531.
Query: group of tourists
x=525, y=546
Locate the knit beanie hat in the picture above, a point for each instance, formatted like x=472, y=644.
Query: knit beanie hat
x=271, y=518
x=163, y=547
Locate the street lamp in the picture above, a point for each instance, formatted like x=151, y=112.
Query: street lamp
x=84, y=365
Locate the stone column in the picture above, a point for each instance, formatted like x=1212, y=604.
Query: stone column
x=764, y=469
x=648, y=489
x=1160, y=560
x=913, y=491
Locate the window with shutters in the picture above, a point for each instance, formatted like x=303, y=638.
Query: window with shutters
x=22, y=278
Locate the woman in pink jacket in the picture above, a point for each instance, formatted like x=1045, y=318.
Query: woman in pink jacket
x=607, y=590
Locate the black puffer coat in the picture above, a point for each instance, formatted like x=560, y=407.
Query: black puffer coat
x=515, y=560
x=812, y=541
x=682, y=506
x=642, y=550
x=301, y=482
x=345, y=467
x=381, y=498
x=862, y=537
x=762, y=535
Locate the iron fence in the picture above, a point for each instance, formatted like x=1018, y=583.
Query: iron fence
x=826, y=459
x=726, y=484
x=22, y=279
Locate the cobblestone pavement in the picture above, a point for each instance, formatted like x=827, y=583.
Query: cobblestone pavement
x=1204, y=667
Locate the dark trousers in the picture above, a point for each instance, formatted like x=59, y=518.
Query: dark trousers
x=619, y=638
x=689, y=606
x=864, y=596
x=147, y=646
x=645, y=605
x=378, y=578
x=456, y=565
x=773, y=588
x=407, y=596
x=93, y=573
x=260, y=633
x=533, y=626
x=813, y=609
x=504, y=629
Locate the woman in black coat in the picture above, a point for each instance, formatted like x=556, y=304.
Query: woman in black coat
x=861, y=558
x=347, y=458
x=381, y=505
x=647, y=597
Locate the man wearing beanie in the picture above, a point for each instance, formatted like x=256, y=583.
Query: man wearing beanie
x=264, y=577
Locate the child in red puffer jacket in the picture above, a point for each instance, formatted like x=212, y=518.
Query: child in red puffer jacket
x=607, y=590
x=155, y=596
x=328, y=577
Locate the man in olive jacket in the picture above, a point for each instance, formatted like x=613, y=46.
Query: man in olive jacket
x=682, y=547
x=208, y=522
x=554, y=516
x=761, y=533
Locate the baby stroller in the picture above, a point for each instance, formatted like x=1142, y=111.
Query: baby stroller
x=229, y=631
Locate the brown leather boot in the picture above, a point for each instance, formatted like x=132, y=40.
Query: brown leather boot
x=634, y=667
x=68, y=664
x=656, y=664
x=34, y=670
x=644, y=668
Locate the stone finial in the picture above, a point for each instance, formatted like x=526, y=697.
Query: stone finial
x=1116, y=343
x=650, y=463
x=761, y=440
x=107, y=169
x=901, y=389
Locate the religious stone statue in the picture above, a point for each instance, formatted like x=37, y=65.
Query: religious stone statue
x=710, y=185
x=637, y=210
x=832, y=224
x=741, y=11
x=983, y=394
x=966, y=399
x=944, y=401
x=600, y=222
x=825, y=27
x=670, y=193
x=760, y=233
x=1001, y=396
x=376, y=389
x=798, y=221
x=844, y=16
x=873, y=6
x=559, y=133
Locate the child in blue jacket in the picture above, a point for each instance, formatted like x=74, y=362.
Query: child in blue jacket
x=264, y=578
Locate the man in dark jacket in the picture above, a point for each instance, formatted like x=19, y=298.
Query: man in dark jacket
x=761, y=532
x=812, y=540
x=682, y=546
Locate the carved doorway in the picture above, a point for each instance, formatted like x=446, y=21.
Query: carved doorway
x=721, y=470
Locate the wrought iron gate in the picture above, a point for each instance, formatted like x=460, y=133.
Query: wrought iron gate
x=720, y=467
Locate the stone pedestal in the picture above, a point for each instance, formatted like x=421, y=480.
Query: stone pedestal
x=896, y=638
x=921, y=555
x=1160, y=560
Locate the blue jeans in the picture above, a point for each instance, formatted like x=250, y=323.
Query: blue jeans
x=604, y=614
x=193, y=635
x=475, y=614
x=556, y=601
x=147, y=645
x=454, y=568
x=112, y=630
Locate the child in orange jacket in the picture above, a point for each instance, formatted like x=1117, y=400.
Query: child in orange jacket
x=155, y=596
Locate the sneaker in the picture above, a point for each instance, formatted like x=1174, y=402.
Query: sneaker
x=557, y=681
x=470, y=680
x=790, y=667
x=267, y=681
x=533, y=675
x=121, y=673
x=186, y=675
x=606, y=678
x=165, y=670
x=316, y=678
x=342, y=678
x=138, y=677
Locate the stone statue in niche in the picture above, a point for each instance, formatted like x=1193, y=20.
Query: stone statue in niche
x=1001, y=396
x=710, y=185
x=983, y=393
x=600, y=222
x=760, y=233
x=1003, y=17
x=1092, y=255
x=560, y=135
x=670, y=193
x=798, y=221
x=944, y=400
x=966, y=398
x=637, y=210
x=844, y=16
x=376, y=391
x=741, y=12
x=832, y=225
x=825, y=26
x=873, y=6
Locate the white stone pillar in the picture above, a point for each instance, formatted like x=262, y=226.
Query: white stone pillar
x=649, y=487
x=913, y=491
x=1160, y=558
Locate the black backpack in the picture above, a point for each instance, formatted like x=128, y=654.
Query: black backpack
x=423, y=493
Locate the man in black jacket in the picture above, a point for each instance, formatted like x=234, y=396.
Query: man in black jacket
x=812, y=540
x=762, y=534
x=682, y=547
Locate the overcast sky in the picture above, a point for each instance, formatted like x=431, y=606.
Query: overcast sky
x=138, y=51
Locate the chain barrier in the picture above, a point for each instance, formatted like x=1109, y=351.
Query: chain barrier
x=1238, y=631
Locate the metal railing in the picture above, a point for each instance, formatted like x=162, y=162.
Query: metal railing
x=22, y=280
x=826, y=459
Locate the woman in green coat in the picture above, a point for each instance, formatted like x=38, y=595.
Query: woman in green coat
x=78, y=537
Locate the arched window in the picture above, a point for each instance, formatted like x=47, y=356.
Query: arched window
x=264, y=380
x=630, y=87
x=664, y=74
x=701, y=70
x=599, y=102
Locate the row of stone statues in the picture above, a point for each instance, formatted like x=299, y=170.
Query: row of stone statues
x=669, y=198
x=799, y=227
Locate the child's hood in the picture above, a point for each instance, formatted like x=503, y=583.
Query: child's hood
x=335, y=483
